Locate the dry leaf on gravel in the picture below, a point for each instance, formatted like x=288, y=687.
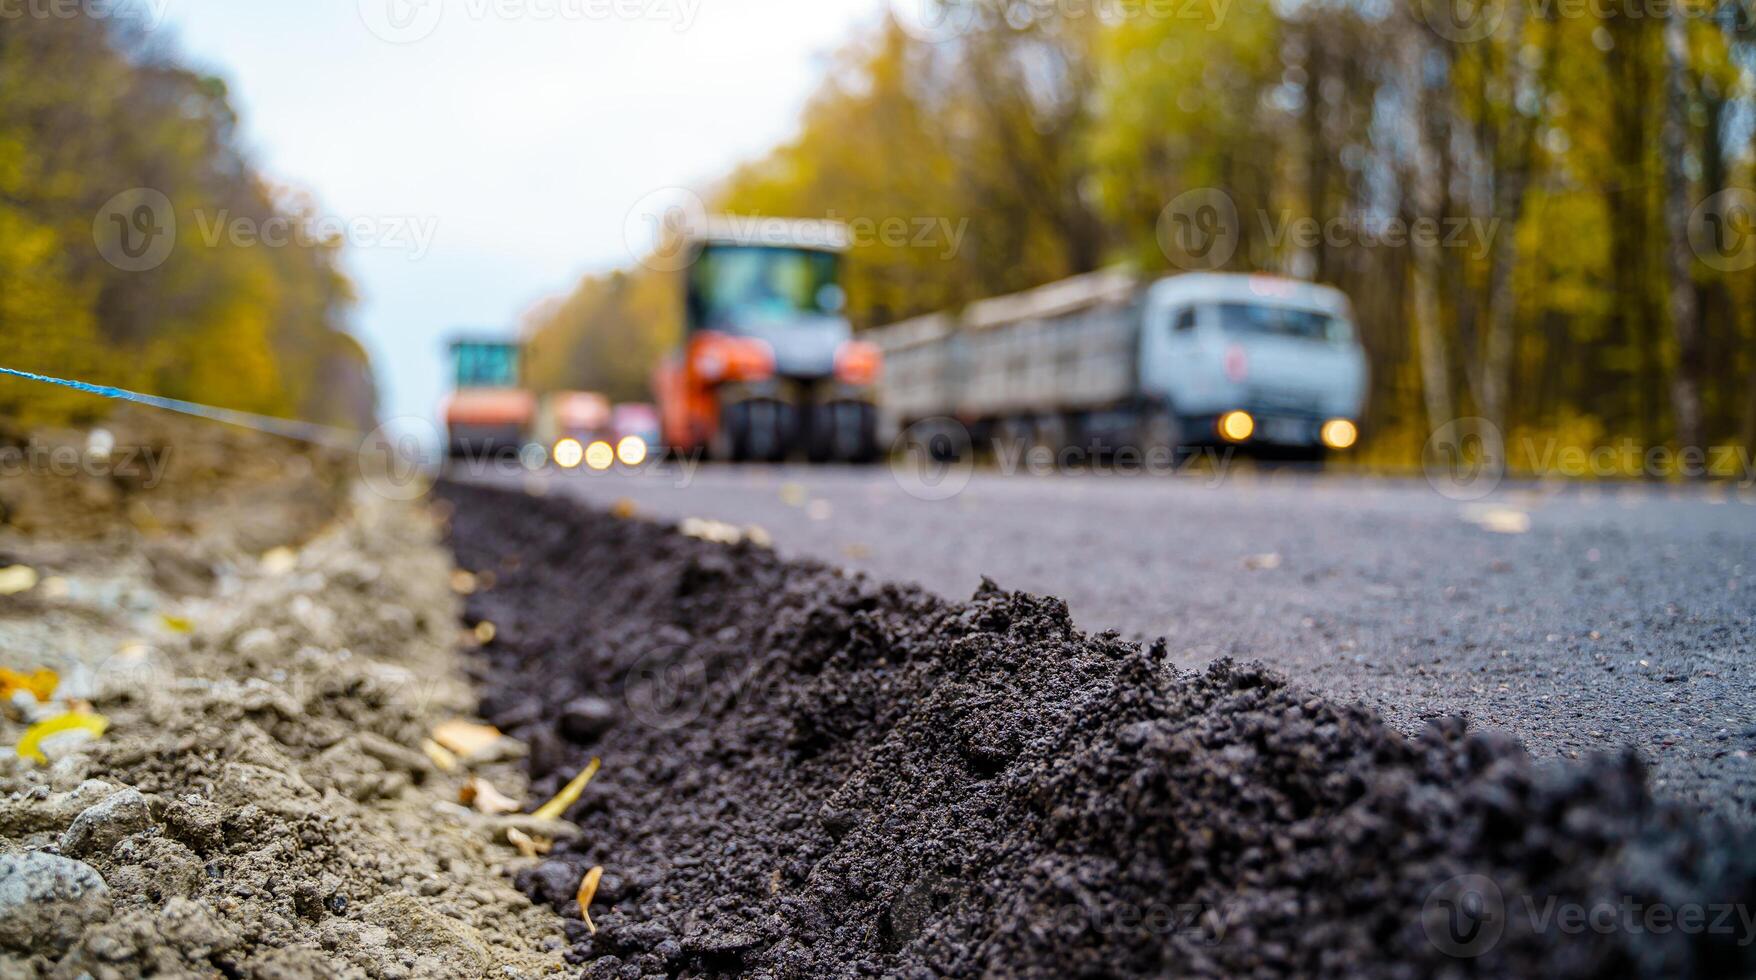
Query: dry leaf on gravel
x=465, y=738
x=441, y=757
x=482, y=795
x=16, y=579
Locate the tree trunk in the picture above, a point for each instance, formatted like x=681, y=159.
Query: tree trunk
x=1510, y=185
x=1685, y=315
x=1425, y=197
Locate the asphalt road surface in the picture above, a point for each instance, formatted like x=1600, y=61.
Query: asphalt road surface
x=1579, y=617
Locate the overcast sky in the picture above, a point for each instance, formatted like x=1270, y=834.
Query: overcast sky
x=490, y=151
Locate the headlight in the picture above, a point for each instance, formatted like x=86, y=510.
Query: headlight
x=569, y=454
x=1340, y=434
x=1237, y=426
x=599, y=456
x=631, y=450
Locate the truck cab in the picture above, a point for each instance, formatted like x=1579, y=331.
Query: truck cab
x=769, y=366
x=1253, y=359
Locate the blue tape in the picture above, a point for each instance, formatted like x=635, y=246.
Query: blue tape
x=287, y=428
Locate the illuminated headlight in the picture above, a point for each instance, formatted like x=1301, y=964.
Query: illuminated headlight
x=631, y=450
x=569, y=454
x=599, y=456
x=1340, y=434
x=1237, y=426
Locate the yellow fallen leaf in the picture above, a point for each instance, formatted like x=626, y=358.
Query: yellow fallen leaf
x=624, y=509
x=465, y=738
x=553, y=809
x=89, y=725
x=176, y=624
x=41, y=683
x=482, y=795
x=485, y=632
x=441, y=757
x=16, y=579
x=588, y=889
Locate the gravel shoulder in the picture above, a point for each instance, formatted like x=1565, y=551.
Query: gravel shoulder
x=270, y=651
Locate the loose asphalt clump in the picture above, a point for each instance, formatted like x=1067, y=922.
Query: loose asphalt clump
x=808, y=773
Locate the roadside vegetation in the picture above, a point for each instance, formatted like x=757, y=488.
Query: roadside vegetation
x=91, y=109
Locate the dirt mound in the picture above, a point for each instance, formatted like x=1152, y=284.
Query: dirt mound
x=811, y=774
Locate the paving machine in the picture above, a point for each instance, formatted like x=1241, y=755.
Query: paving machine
x=489, y=412
x=769, y=367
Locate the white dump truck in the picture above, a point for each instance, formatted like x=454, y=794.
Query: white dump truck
x=1104, y=361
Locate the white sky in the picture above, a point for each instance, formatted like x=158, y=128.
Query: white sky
x=520, y=132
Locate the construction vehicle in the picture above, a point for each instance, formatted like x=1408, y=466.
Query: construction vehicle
x=489, y=412
x=769, y=367
x=1105, y=362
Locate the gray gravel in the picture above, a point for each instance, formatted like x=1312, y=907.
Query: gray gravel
x=1578, y=617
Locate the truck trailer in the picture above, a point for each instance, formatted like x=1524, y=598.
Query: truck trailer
x=1106, y=362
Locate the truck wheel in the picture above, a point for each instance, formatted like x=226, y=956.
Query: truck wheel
x=769, y=431
x=731, y=444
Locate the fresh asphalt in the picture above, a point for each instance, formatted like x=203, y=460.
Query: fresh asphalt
x=1580, y=617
